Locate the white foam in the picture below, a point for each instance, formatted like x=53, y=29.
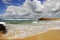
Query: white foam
x=24, y=30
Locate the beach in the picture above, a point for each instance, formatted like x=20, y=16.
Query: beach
x=33, y=31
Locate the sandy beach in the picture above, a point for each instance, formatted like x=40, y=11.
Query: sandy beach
x=34, y=31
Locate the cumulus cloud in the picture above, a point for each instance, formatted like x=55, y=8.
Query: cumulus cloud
x=34, y=9
x=52, y=7
x=6, y=1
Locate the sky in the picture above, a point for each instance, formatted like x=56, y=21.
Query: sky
x=3, y=6
x=29, y=8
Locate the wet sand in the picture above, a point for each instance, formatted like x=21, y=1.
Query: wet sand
x=45, y=31
x=50, y=35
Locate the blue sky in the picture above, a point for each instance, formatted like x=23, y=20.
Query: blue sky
x=3, y=6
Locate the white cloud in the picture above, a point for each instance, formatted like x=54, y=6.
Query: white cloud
x=52, y=7
x=6, y=1
x=34, y=9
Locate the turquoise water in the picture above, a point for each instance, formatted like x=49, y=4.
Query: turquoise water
x=17, y=21
x=53, y=22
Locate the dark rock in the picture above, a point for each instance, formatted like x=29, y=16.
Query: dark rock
x=3, y=28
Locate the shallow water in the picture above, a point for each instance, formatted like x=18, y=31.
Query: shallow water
x=30, y=29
